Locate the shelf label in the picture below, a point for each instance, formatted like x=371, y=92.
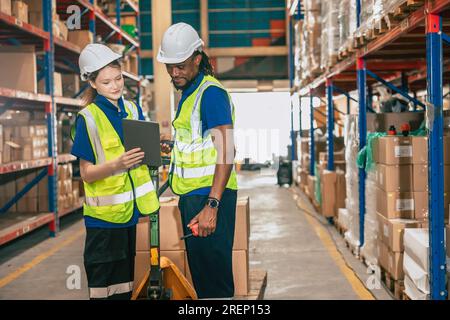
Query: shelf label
x=403, y=151
x=405, y=205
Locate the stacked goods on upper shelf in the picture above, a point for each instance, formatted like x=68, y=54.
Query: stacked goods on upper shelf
x=330, y=33
x=310, y=46
x=352, y=178
x=19, y=63
x=347, y=24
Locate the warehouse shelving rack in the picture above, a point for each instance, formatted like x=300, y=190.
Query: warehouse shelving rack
x=62, y=55
x=419, y=37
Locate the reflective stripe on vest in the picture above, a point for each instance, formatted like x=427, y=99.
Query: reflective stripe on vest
x=94, y=135
x=199, y=172
x=121, y=197
x=105, y=292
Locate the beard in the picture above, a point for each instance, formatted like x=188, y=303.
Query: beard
x=182, y=88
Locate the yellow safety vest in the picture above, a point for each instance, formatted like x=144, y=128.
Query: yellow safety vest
x=112, y=199
x=194, y=157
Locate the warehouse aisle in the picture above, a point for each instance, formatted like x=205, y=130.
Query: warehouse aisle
x=293, y=247
x=285, y=242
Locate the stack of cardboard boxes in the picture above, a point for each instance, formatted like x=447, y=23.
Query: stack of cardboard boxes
x=36, y=199
x=401, y=196
x=332, y=184
x=21, y=139
x=173, y=248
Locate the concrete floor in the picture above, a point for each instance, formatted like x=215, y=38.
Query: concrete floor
x=304, y=256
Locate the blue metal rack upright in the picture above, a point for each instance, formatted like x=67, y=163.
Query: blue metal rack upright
x=50, y=110
x=436, y=157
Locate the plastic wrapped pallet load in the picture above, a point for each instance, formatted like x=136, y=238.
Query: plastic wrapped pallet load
x=370, y=248
x=352, y=201
x=415, y=263
x=330, y=33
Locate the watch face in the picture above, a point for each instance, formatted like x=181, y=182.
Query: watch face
x=213, y=203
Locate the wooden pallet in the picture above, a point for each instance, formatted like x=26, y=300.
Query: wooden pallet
x=405, y=296
x=258, y=283
x=404, y=9
x=396, y=287
x=340, y=228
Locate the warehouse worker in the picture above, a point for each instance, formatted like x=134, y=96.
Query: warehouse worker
x=201, y=169
x=118, y=188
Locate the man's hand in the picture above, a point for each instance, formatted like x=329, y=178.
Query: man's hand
x=165, y=147
x=207, y=220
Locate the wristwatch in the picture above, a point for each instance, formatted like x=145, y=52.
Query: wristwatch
x=213, y=203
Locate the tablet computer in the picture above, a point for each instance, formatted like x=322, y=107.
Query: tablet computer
x=144, y=135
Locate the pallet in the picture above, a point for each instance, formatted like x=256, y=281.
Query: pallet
x=405, y=297
x=404, y=9
x=355, y=250
x=340, y=228
x=257, y=283
x=396, y=287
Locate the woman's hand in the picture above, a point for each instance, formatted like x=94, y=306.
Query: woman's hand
x=128, y=159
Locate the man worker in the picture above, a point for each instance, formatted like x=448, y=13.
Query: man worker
x=201, y=169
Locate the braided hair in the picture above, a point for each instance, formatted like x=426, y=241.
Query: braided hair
x=205, y=65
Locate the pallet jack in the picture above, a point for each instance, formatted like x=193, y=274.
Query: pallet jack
x=164, y=281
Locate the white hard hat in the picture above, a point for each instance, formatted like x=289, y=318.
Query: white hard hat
x=94, y=57
x=179, y=43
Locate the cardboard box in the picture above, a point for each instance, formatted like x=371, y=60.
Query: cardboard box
x=391, y=231
x=143, y=234
x=421, y=205
x=134, y=68
x=1, y=139
x=57, y=85
x=242, y=224
x=5, y=7
x=20, y=10
x=398, y=178
x=395, y=205
x=328, y=189
x=43, y=203
x=420, y=146
x=19, y=63
x=240, y=272
x=70, y=84
x=35, y=18
x=421, y=177
x=170, y=223
x=380, y=122
x=23, y=180
x=141, y=267
x=392, y=262
x=393, y=150
x=341, y=191
x=80, y=38
x=60, y=29
x=311, y=186
x=27, y=204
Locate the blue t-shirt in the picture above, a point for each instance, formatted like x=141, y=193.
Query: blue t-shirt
x=215, y=110
x=82, y=149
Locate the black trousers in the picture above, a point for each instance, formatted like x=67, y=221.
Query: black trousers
x=109, y=262
x=210, y=258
